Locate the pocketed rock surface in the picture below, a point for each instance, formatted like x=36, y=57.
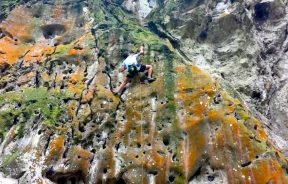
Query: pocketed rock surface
x=60, y=122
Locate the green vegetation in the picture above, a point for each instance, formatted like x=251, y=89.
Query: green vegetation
x=169, y=85
x=19, y=106
x=8, y=159
x=98, y=13
x=61, y=51
x=137, y=33
x=6, y=6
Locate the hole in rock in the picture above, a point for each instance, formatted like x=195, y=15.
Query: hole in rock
x=62, y=86
x=246, y=164
x=93, y=150
x=171, y=178
x=66, y=100
x=64, y=178
x=261, y=11
x=51, y=30
x=197, y=173
x=72, y=180
x=174, y=158
x=2, y=34
x=160, y=152
x=50, y=107
x=256, y=95
x=222, y=75
x=230, y=104
x=4, y=67
x=117, y=146
x=138, y=145
x=154, y=172
x=46, y=84
x=255, y=127
x=211, y=178
x=36, y=112
x=3, y=85
x=217, y=99
x=237, y=116
x=105, y=170
x=33, y=101
x=166, y=140
x=120, y=181
x=203, y=35
x=50, y=172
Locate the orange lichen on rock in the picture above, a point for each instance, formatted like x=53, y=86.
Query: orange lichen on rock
x=19, y=25
x=75, y=83
x=263, y=171
x=25, y=78
x=79, y=159
x=72, y=108
x=88, y=95
x=233, y=144
x=191, y=121
x=55, y=149
x=9, y=52
x=45, y=77
x=38, y=53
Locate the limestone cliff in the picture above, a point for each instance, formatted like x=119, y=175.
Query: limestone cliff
x=60, y=122
x=243, y=43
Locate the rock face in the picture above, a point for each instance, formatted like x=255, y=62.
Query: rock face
x=60, y=122
x=241, y=42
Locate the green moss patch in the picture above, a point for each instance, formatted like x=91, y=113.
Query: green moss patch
x=6, y=6
x=8, y=159
x=19, y=106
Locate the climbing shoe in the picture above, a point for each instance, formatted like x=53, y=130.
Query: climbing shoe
x=150, y=79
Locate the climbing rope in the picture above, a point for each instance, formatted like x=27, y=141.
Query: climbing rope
x=141, y=135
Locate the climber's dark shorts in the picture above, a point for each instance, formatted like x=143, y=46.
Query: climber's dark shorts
x=140, y=68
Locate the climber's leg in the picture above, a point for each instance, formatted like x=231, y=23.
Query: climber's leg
x=122, y=86
x=149, y=71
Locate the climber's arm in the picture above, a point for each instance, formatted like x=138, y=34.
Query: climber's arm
x=142, y=50
x=122, y=69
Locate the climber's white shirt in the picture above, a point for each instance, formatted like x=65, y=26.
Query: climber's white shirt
x=130, y=60
x=222, y=7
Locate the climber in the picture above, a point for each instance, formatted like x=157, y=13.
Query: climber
x=222, y=8
x=130, y=64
